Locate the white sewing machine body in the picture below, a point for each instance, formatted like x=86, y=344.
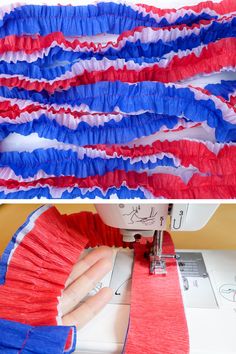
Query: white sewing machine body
x=131, y=218
x=150, y=220
x=210, y=306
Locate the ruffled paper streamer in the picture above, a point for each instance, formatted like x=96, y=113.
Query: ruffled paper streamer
x=33, y=271
x=225, y=89
x=102, y=17
x=132, y=63
x=119, y=128
x=153, y=44
x=98, y=234
x=36, y=251
x=163, y=169
x=79, y=95
x=21, y=338
x=207, y=158
x=30, y=265
x=176, y=100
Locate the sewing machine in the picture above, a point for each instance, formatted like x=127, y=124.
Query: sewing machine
x=207, y=279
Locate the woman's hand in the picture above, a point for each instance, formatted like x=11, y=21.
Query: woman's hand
x=85, y=275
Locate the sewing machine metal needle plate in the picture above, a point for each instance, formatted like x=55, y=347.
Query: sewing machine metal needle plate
x=208, y=283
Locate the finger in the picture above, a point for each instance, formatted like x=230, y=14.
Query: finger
x=89, y=260
x=84, y=313
x=84, y=284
